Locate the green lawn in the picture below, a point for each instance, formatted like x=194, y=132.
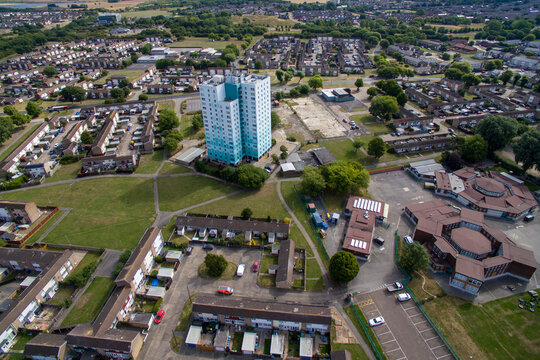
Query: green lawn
x=145, y=13
x=88, y=306
x=186, y=127
x=204, y=42
x=296, y=206
x=495, y=330
x=176, y=193
x=149, y=163
x=313, y=269
x=183, y=321
x=343, y=149
x=172, y=168
x=264, y=202
x=267, y=260
x=65, y=172
x=35, y=237
x=22, y=339
x=12, y=147
x=106, y=212
x=86, y=260
x=352, y=315
x=371, y=124
x=130, y=75
x=165, y=104
x=228, y=274
x=315, y=285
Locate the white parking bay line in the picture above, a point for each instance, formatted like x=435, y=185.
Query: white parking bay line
x=388, y=332
x=386, y=342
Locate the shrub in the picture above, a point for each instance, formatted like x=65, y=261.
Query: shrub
x=157, y=305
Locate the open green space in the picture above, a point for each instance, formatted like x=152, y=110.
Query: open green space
x=129, y=74
x=335, y=202
x=106, y=212
x=203, y=42
x=271, y=21
x=22, y=339
x=64, y=172
x=165, y=104
x=313, y=269
x=263, y=203
x=176, y=193
x=343, y=149
x=149, y=163
x=88, y=306
x=294, y=203
x=494, y=330
x=371, y=124
x=183, y=321
x=35, y=237
x=172, y=168
x=267, y=260
x=228, y=273
x=89, y=258
x=186, y=127
x=12, y=147
x=356, y=350
x=315, y=285
x=267, y=280
x=145, y=13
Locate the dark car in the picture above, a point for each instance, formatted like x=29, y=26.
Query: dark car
x=528, y=218
x=379, y=240
x=189, y=250
x=208, y=247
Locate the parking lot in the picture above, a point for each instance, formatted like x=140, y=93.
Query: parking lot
x=406, y=333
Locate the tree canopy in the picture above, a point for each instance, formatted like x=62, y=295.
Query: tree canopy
x=86, y=138
x=168, y=120
x=414, y=257
x=475, y=148
x=215, y=264
x=313, y=182
x=343, y=267
x=527, y=150
x=497, y=130
x=73, y=93
x=250, y=176
x=33, y=109
x=315, y=82
x=376, y=147
x=345, y=176
x=384, y=106
x=6, y=128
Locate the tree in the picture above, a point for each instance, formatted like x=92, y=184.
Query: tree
x=6, y=128
x=10, y=110
x=275, y=159
x=33, y=109
x=524, y=81
x=258, y=64
x=251, y=177
x=446, y=56
x=170, y=144
x=357, y=144
x=287, y=77
x=19, y=119
x=494, y=64
x=414, y=257
x=168, y=120
x=315, y=82
x=73, y=93
x=516, y=79
x=197, y=122
x=358, y=83
x=246, y=214
x=475, y=148
x=86, y=138
x=372, y=91
x=527, y=150
x=453, y=73
x=376, y=147
x=470, y=80
x=143, y=97
x=146, y=49
x=345, y=176
x=276, y=120
x=402, y=99
x=279, y=75
x=497, y=130
x=506, y=76
x=49, y=71
x=313, y=182
x=117, y=93
x=384, y=106
x=343, y=267
x=452, y=160
x=300, y=75
x=215, y=264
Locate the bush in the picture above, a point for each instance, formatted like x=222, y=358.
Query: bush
x=154, y=273
x=70, y=159
x=81, y=278
x=159, y=259
x=157, y=305
x=215, y=264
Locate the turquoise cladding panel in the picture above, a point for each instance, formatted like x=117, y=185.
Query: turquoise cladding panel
x=231, y=91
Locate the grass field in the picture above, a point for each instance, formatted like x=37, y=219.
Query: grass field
x=171, y=168
x=145, y=13
x=35, y=237
x=65, y=172
x=356, y=350
x=149, y=163
x=88, y=306
x=130, y=75
x=186, y=128
x=369, y=122
x=12, y=147
x=228, y=273
x=106, y=213
x=89, y=258
x=496, y=330
x=292, y=200
x=270, y=21
x=204, y=43
x=165, y=104
x=313, y=269
x=263, y=203
x=180, y=192
x=343, y=149
x=315, y=285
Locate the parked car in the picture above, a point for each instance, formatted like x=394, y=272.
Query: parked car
x=208, y=247
x=379, y=240
x=255, y=266
x=379, y=320
x=395, y=287
x=225, y=290
x=159, y=316
x=408, y=239
x=189, y=249
x=240, y=270
x=404, y=297
x=528, y=218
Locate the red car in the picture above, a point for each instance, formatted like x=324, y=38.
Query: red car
x=159, y=316
x=255, y=266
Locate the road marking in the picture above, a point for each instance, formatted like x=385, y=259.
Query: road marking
x=386, y=342
x=424, y=330
x=442, y=357
x=388, y=332
x=436, y=347
x=435, y=337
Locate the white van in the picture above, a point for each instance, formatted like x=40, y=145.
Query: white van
x=240, y=270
